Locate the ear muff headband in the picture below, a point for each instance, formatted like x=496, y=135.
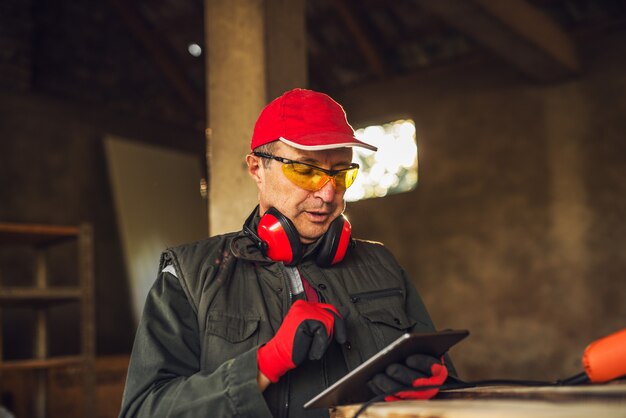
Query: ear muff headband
x=281, y=236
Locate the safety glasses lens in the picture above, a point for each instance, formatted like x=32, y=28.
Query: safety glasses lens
x=312, y=179
x=345, y=178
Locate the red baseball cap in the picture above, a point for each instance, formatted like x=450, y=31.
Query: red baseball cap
x=306, y=120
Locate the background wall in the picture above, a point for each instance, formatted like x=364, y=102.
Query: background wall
x=70, y=76
x=515, y=230
x=53, y=171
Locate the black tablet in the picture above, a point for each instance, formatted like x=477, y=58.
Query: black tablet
x=352, y=388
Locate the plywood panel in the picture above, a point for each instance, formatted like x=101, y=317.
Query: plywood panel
x=158, y=204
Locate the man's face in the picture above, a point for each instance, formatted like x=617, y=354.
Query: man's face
x=310, y=212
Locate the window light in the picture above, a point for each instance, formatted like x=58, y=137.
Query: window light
x=393, y=168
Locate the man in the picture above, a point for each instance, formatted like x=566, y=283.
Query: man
x=255, y=323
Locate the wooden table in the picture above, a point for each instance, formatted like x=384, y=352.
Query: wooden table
x=593, y=401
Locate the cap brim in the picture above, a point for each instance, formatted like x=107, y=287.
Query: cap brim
x=327, y=141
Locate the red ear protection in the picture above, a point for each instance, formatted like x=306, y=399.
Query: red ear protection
x=334, y=243
x=281, y=241
x=280, y=236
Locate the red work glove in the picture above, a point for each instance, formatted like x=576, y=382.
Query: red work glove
x=305, y=333
x=418, y=370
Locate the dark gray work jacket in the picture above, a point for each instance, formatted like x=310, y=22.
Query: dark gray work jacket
x=217, y=300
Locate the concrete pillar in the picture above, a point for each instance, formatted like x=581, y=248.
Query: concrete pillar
x=285, y=46
x=255, y=51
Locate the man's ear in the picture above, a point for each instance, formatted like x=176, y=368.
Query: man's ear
x=254, y=168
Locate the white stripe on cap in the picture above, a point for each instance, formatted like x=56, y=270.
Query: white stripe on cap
x=327, y=146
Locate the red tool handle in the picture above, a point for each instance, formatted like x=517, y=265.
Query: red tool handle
x=605, y=359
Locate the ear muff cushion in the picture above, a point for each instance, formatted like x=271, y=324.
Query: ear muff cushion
x=335, y=243
x=281, y=236
x=344, y=242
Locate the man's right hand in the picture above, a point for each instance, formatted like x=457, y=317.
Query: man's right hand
x=306, y=332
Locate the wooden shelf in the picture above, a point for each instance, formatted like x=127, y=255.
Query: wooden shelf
x=32, y=234
x=40, y=296
x=29, y=295
x=34, y=364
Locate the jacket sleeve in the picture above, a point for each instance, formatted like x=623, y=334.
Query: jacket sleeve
x=164, y=377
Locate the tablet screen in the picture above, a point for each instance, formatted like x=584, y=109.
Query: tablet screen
x=352, y=388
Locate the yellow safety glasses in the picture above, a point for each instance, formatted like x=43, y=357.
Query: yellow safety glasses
x=313, y=178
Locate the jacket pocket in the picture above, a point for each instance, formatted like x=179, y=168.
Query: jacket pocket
x=386, y=323
x=227, y=336
x=391, y=317
x=375, y=294
x=231, y=328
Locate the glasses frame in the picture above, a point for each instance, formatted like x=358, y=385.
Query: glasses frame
x=330, y=173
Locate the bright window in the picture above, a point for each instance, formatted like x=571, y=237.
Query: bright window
x=393, y=168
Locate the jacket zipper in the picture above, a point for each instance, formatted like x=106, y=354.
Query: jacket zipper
x=287, y=385
x=356, y=297
x=325, y=371
x=286, y=410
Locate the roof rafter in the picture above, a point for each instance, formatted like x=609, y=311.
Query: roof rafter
x=364, y=43
x=156, y=46
x=515, y=30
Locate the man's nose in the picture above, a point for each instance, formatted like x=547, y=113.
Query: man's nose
x=327, y=192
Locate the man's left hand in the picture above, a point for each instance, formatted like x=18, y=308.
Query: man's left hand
x=418, y=371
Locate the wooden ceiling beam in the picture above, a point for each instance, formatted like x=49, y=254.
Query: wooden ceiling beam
x=516, y=31
x=319, y=63
x=372, y=56
x=156, y=46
